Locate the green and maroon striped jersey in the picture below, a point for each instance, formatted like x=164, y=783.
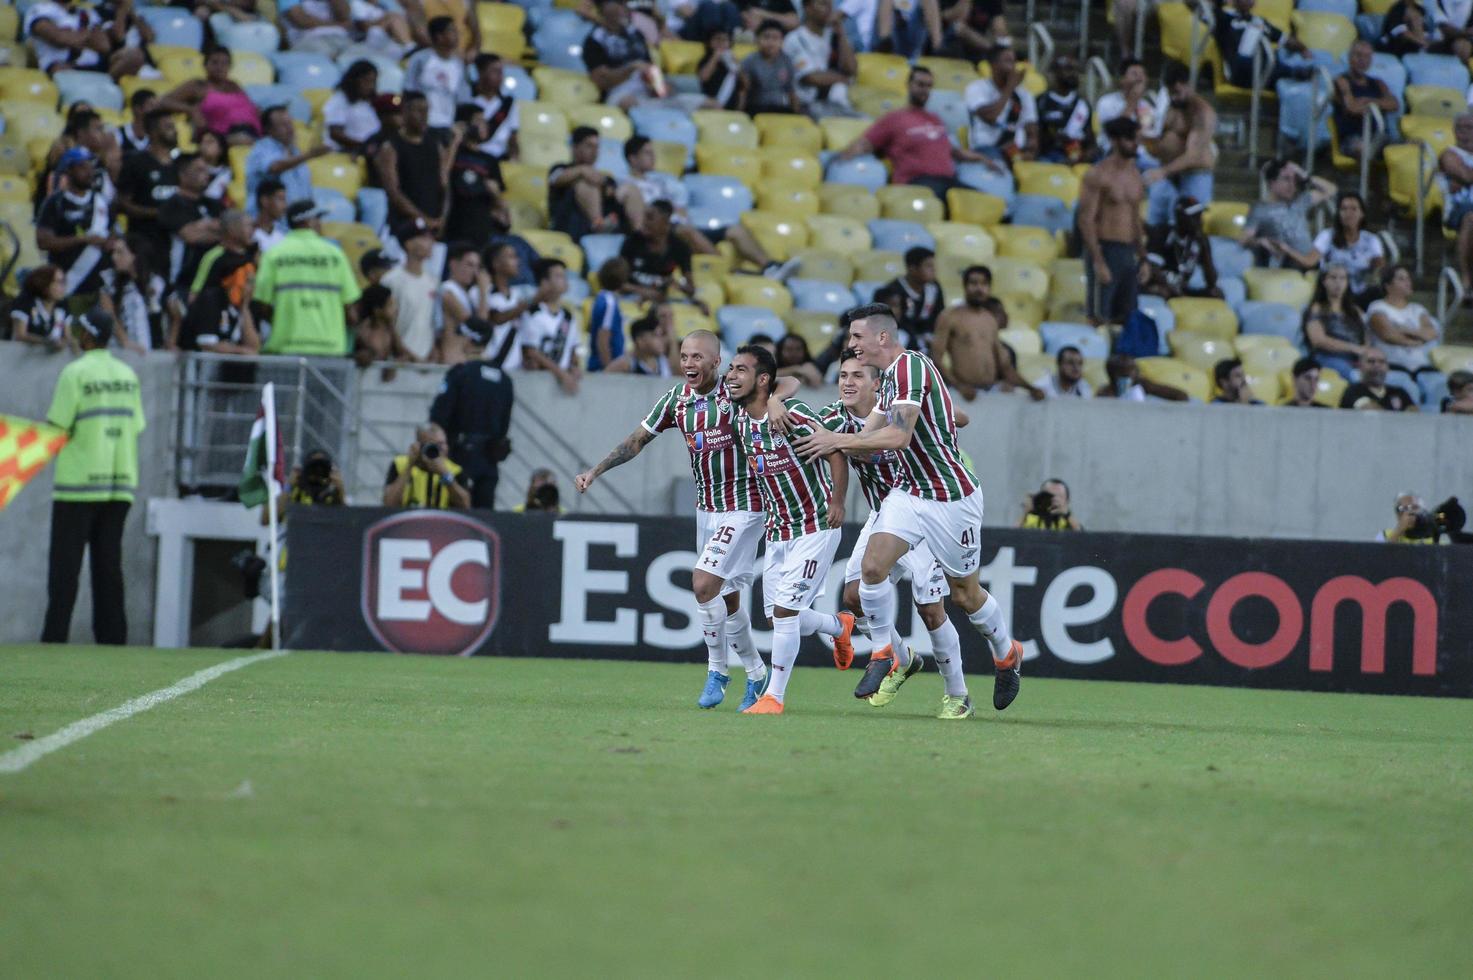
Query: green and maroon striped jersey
x=724, y=480
x=795, y=494
x=880, y=472
x=931, y=464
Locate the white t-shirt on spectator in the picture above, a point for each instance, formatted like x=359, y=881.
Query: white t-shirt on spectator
x=982, y=133
x=863, y=12
x=68, y=19
x=658, y=186
x=1049, y=385
x=418, y=308
x=439, y=79
x=1356, y=258
x=320, y=9
x=265, y=241
x=358, y=119
x=553, y=331
x=809, y=52
x=1407, y=319
x=1149, y=113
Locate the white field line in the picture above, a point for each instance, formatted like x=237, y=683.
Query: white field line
x=17, y=759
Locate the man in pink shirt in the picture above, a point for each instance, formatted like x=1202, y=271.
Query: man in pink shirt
x=915, y=141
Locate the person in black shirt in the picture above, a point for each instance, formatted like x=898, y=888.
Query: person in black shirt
x=582, y=199
x=617, y=57
x=920, y=297
x=473, y=407
x=1237, y=26
x=1064, y=132
x=219, y=319
x=477, y=210
x=719, y=72
x=1372, y=392
x=74, y=226
x=656, y=257
x=192, y=221
x=1232, y=384
x=150, y=177
x=411, y=165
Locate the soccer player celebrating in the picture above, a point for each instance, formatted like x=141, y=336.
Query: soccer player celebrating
x=941, y=504
x=879, y=472
x=728, y=509
x=805, y=510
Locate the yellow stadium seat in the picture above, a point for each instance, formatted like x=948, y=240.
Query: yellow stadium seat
x=316, y=98
x=1022, y=310
x=1202, y=351
x=949, y=269
x=1279, y=286
x=14, y=159
x=975, y=207
x=951, y=74
x=27, y=85
x=1068, y=279
x=500, y=17
x=1332, y=385
x=850, y=200
x=354, y=238
x=720, y=127
x=689, y=319
x=681, y=57
x=15, y=187
x=337, y=171
x=1324, y=32
x=525, y=215
x=9, y=22
x=563, y=87
x=821, y=263
x=1034, y=367
x=1204, y=315
x=1401, y=176
x=1269, y=359
x=1177, y=374
x=758, y=291
x=782, y=129
x=837, y=233
x=1175, y=23
x=1035, y=83
x=882, y=71
x=875, y=101
x=839, y=132
x=670, y=157
x=525, y=183
x=972, y=242
x=709, y=268
x=250, y=68
x=1435, y=131
x=543, y=151
x=543, y=119
x=1056, y=183
x=1023, y=340
x=711, y=293
x=610, y=121
x=779, y=235
x=1452, y=357
x=1435, y=101
x=182, y=64
x=730, y=161
x=1019, y=277
x=1376, y=6
x=789, y=165
x=1036, y=245
x=511, y=45
x=816, y=327
x=556, y=245
x=786, y=199
x=1267, y=388
x=1225, y=218
x=906, y=203
x=877, y=266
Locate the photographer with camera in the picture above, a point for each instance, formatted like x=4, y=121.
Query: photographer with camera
x=1048, y=509
x=542, y=494
x=1417, y=524
x=425, y=476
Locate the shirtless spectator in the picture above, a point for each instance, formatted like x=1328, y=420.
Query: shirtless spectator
x=1185, y=148
x=1068, y=380
x=1127, y=384
x=375, y=336
x=1110, y=224
x=967, y=349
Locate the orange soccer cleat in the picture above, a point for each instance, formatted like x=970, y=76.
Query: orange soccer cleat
x=766, y=705
x=843, y=645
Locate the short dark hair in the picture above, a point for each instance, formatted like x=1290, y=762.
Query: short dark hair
x=614, y=273
x=465, y=110
x=849, y=354
x=154, y=117
x=998, y=50
x=411, y=96
x=1122, y=128
x=664, y=207
x=633, y=145
x=485, y=60
x=917, y=70
x=373, y=299
x=1066, y=349
x=457, y=250
x=917, y=254
x=1225, y=367
x=80, y=120
x=269, y=186
x=581, y=133
x=1126, y=64
x=543, y=269
x=1304, y=365
x=648, y=323
x=972, y=270
x=1175, y=73
x=183, y=160
x=141, y=97
x=865, y=312
x=768, y=25
x=1459, y=380
x=269, y=113
x=1273, y=168
x=885, y=294
x=761, y=338
x=439, y=25
x=766, y=363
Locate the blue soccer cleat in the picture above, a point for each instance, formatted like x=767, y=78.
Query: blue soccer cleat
x=755, y=690
x=715, y=690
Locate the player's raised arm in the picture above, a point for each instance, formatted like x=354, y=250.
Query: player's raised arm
x=621, y=454
x=874, y=438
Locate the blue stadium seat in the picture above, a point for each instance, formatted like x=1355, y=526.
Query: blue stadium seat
x=304, y=69
x=1345, y=8
x=1229, y=258
x=578, y=289
x=981, y=177
x=740, y=323
x=611, y=158
x=598, y=249
x=1294, y=104
x=1042, y=211
x=711, y=190
x=866, y=171
x=259, y=36
x=1436, y=69
x=390, y=75
x=1155, y=307
x=864, y=292
x=897, y=236
x=1272, y=319
x=1433, y=385
x=1401, y=379
x=1058, y=335
x=559, y=43
x=93, y=87
x=1370, y=27
x=666, y=125
x=373, y=208
x=266, y=96
x=1234, y=291
x=174, y=26
x=1390, y=70
x=951, y=107
x=715, y=215
x=339, y=208
x=515, y=80
x=817, y=294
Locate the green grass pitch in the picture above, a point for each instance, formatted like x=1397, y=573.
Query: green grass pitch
x=335, y=815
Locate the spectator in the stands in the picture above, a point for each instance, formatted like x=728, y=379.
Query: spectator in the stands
x=496, y=336
x=133, y=294
x=425, y=478
x=1176, y=254
x=411, y=166
x=657, y=258
x=972, y=27
x=276, y=155
x=1064, y=131
x=719, y=74
x=1450, y=22
x=1347, y=243
x=270, y=214
x=1004, y=117
x=1355, y=92
x=1068, y=380
x=1401, y=329
x=212, y=151
x=438, y=72
x=1185, y=148
x=217, y=102
x=477, y=209
x=915, y=141
x=823, y=60
x=348, y=116
x=1334, y=326
x=306, y=283
x=148, y=178
x=74, y=227
x=1127, y=384
x=606, y=319
x=465, y=303
x=1238, y=31
x=1130, y=98
x=582, y=199
x=618, y=59
x=1459, y=400
x=1456, y=166
x=375, y=336
x=72, y=37
x=1371, y=392
x=320, y=26
x=767, y=80
x=420, y=13
x=1232, y=384
x=1306, y=375
x=648, y=353
x=85, y=128
x=765, y=342
x=548, y=332
x=133, y=135
x=921, y=299
x=416, y=291
x=794, y=360
x=503, y=119
x=219, y=317
x=1277, y=229
x=1404, y=30
x=38, y=315
x=192, y=221
x=908, y=28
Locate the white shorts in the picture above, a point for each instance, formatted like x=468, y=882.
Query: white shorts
x=797, y=569
x=953, y=529
x=927, y=583
x=727, y=543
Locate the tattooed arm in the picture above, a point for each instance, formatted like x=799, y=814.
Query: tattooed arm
x=621, y=454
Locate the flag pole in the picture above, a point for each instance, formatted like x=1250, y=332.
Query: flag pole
x=268, y=402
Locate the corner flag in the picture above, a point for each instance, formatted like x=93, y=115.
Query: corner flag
x=265, y=469
x=25, y=448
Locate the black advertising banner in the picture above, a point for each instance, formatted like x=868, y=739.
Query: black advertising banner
x=1282, y=614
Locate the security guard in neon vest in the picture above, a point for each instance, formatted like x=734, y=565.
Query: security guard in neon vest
x=97, y=403
x=307, y=281
x=425, y=476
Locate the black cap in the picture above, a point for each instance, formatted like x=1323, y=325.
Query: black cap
x=301, y=212
x=373, y=259
x=98, y=324
x=412, y=228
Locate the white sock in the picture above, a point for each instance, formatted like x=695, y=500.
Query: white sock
x=785, y=641
x=713, y=615
x=946, y=645
x=810, y=622
x=739, y=639
x=878, y=602
x=989, y=623
x=861, y=623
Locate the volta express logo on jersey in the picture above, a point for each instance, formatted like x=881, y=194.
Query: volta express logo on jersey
x=431, y=582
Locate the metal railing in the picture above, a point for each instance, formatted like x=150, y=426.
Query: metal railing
x=1263, y=56
x=1425, y=176
x=1202, y=21
x=1040, y=48
x=1142, y=10
x=1321, y=88
x=1448, y=281
x=1097, y=79
x=14, y=251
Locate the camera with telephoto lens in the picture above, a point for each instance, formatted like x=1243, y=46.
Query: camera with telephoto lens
x=430, y=450
x=316, y=480
x=544, y=497
x=1043, y=504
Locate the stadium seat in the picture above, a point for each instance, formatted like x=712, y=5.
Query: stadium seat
x=610, y=121
x=951, y=74
x=559, y=44
x=518, y=82
x=1035, y=83
x=817, y=294
x=543, y=151
x=1330, y=388
x=1175, y=23
x=563, y=87
x=1023, y=310
x=877, y=266
x=1023, y=242
x=816, y=327
x=875, y=102
x=980, y=177
x=1040, y=211
x=1268, y=358
x=543, y=120
x=779, y=235
x=905, y=203
x=1279, y=286
x=882, y=71
x=525, y=182
x=1266, y=387
x=1448, y=358
x=525, y=214
x=92, y=87
x=1345, y=8
x=1066, y=297
x=975, y=207
x=1211, y=317
x=373, y=207
x=708, y=189
x=1019, y=277
x=1331, y=33
x=1402, y=176
x=786, y=199
x=1435, y=101
x=689, y=319
x=259, y=36
x=339, y=208
x=1295, y=102
x=865, y=171
x=1226, y=219
x=849, y=200
x=968, y=241
x=500, y=18
x=788, y=165
x=865, y=289
x=250, y=68
x=1202, y=351
x=898, y=236
x=1033, y=367
x=679, y=57
x=668, y=125
x=354, y=239
x=823, y=264
x=1276, y=320
x=839, y=131
x=1091, y=342
x=306, y=70
x=836, y=233
x=611, y=158
x=556, y=245
x=739, y=324
x=338, y=171
x=782, y=129
x=1229, y=258
x=952, y=108
x=1436, y=69
x=712, y=217
x=173, y=26
x=1024, y=341
x=1390, y=70
x=27, y=85
x=1178, y=374
x=730, y=161
x=1049, y=179
x=720, y=127
x=266, y=96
